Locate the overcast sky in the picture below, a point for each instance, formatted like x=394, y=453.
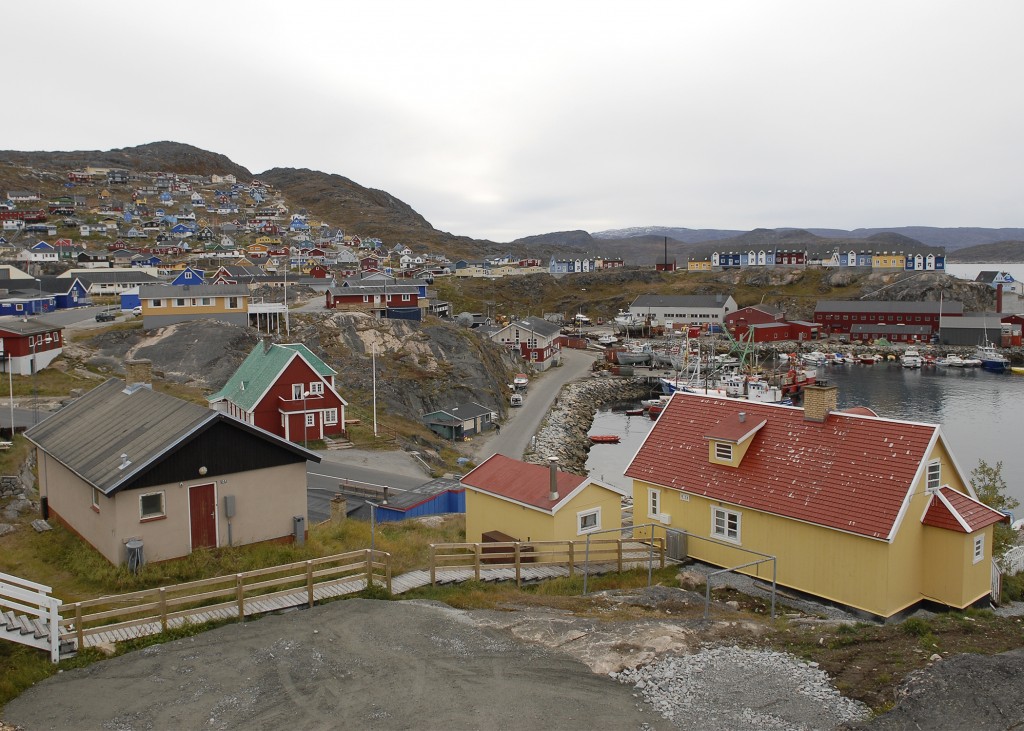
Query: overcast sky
x=506, y=120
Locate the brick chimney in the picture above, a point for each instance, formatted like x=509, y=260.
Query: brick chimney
x=138, y=373
x=819, y=401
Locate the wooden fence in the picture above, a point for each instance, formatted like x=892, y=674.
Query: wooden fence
x=518, y=555
x=28, y=614
x=223, y=596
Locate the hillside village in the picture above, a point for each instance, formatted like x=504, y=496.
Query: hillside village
x=292, y=327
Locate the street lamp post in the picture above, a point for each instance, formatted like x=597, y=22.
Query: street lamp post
x=373, y=518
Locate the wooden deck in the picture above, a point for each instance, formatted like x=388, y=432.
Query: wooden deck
x=399, y=585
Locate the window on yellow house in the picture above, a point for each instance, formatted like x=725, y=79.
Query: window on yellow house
x=979, y=548
x=725, y=524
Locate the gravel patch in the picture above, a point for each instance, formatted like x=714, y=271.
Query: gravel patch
x=732, y=689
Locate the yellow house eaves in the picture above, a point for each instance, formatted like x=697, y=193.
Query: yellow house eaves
x=741, y=506
x=562, y=501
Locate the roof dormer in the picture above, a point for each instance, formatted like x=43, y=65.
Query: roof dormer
x=728, y=440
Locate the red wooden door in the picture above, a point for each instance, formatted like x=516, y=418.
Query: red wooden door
x=202, y=510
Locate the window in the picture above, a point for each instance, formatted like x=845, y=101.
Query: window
x=96, y=500
x=157, y=303
x=723, y=451
x=316, y=387
x=311, y=419
x=296, y=391
x=979, y=548
x=330, y=416
x=934, y=481
x=151, y=505
x=206, y=301
x=588, y=521
x=180, y=302
x=725, y=524
x=653, y=503
x=232, y=303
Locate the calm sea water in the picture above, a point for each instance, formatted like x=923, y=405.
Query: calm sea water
x=981, y=415
x=971, y=271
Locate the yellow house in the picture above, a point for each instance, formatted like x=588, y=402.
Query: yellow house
x=885, y=260
x=698, y=265
x=531, y=502
x=164, y=305
x=870, y=513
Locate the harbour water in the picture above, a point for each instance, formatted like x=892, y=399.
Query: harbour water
x=981, y=415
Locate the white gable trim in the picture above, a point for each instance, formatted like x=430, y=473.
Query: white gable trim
x=954, y=511
x=918, y=475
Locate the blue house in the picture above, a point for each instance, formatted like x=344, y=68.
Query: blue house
x=188, y=275
x=925, y=263
x=66, y=293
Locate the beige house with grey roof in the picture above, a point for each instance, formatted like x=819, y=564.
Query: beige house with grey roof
x=125, y=462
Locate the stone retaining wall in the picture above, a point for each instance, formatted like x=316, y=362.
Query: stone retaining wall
x=564, y=432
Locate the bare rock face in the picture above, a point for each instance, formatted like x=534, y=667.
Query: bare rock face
x=978, y=692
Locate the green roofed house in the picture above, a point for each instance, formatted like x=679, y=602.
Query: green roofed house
x=287, y=391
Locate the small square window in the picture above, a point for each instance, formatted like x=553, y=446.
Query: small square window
x=316, y=387
x=588, y=521
x=151, y=505
x=311, y=419
x=725, y=524
x=723, y=451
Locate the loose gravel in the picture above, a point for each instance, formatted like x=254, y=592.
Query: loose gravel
x=733, y=689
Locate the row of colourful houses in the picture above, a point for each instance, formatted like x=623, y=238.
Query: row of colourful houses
x=776, y=257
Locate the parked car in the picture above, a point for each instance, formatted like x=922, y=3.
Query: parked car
x=137, y=310
x=106, y=315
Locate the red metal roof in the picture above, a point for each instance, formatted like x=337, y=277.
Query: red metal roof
x=851, y=473
x=959, y=512
x=521, y=481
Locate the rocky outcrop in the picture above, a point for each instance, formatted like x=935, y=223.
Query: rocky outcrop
x=564, y=433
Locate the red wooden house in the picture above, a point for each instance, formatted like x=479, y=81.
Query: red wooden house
x=287, y=391
x=27, y=346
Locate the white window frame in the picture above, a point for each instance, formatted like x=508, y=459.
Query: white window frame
x=583, y=515
x=653, y=503
x=979, y=548
x=296, y=391
x=720, y=524
x=156, y=303
x=330, y=416
x=316, y=388
x=723, y=451
x=95, y=499
x=179, y=302
x=163, y=506
x=310, y=419
x=933, y=476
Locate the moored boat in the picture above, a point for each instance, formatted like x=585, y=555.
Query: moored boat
x=991, y=359
x=634, y=412
x=604, y=438
x=911, y=358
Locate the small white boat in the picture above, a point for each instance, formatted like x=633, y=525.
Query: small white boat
x=972, y=362
x=814, y=358
x=911, y=358
x=520, y=380
x=951, y=361
x=607, y=340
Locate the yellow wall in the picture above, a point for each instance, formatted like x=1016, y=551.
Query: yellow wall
x=218, y=304
x=698, y=266
x=485, y=513
x=922, y=562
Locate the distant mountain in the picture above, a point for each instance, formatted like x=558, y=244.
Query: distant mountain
x=1001, y=252
x=950, y=239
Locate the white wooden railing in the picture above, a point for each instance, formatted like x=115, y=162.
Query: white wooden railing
x=29, y=615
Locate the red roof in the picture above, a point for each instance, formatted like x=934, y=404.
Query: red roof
x=955, y=511
x=850, y=472
x=523, y=482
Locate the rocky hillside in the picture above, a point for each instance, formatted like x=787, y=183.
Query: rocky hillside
x=1001, y=252
x=420, y=368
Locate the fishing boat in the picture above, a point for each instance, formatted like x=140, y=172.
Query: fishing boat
x=520, y=380
x=604, y=438
x=972, y=362
x=814, y=358
x=634, y=412
x=795, y=380
x=911, y=358
x=608, y=339
x=991, y=359
x=1017, y=371
x=869, y=359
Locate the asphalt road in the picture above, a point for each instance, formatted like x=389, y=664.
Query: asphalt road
x=523, y=422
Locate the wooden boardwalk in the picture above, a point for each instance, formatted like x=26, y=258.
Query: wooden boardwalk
x=399, y=585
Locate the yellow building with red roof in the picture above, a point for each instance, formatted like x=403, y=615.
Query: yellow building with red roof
x=866, y=512
x=531, y=502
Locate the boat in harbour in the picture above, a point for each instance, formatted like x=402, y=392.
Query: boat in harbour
x=608, y=339
x=911, y=358
x=991, y=359
x=604, y=438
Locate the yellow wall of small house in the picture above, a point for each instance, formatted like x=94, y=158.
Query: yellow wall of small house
x=738, y=451
x=485, y=513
